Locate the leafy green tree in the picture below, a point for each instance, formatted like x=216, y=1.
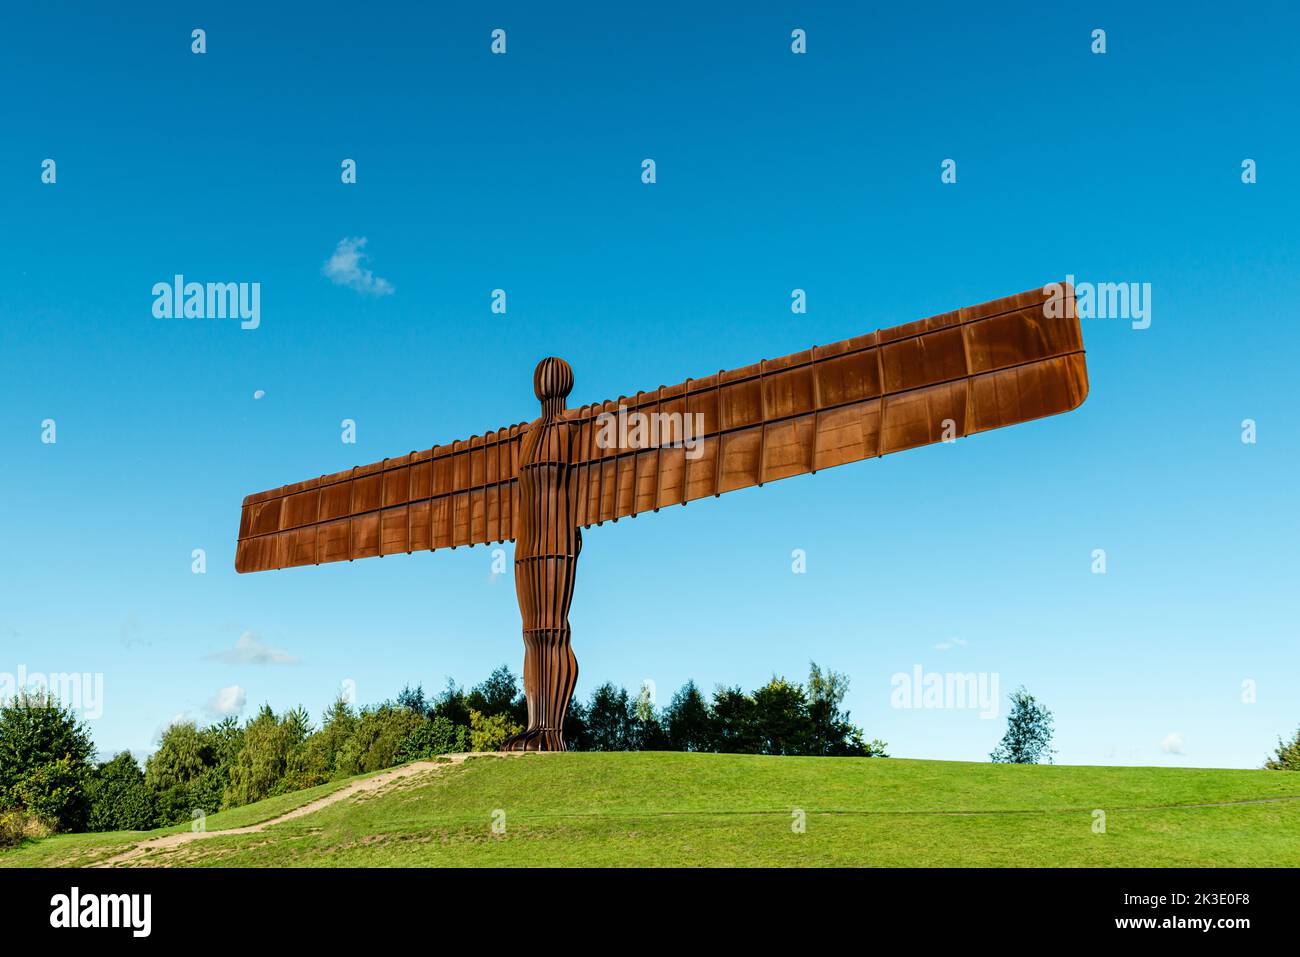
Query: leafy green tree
x=687, y=720
x=183, y=754
x=191, y=768
x=35, y=729
x=781, y=720
x=450, y=704
x=376, y=739
x=271, y=760
x=299, y=770
x=489, y=732
x=575, y=727
x=832, y=732
x=299, y=722
x=56, y=793
x=222, y=741
x=1029, y=732
x=413, y=699
x=438, y=736
x=221, y=744
x=610, y=720
x=499, y=694
x=44, y=760
x=648, y=733
x=322, y=750
x=170, y=771
x=1287, y=756
x=119, y=799
x=735, y=722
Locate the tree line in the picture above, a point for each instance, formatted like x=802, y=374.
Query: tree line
x=50, y=781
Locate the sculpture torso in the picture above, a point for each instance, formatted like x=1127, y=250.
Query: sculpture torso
x=546, y=493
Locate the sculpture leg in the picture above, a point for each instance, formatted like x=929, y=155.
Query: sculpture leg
x=545, y=588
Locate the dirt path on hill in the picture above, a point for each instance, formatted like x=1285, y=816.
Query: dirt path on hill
x=139, y=853
x=364, y=786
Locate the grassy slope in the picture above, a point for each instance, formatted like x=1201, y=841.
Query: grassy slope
x=75, y=850
x=687, y=809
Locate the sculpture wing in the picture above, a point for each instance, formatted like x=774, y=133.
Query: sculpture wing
x=982, y=367
x=464, y=493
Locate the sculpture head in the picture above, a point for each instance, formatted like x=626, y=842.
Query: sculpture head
x=552, y=383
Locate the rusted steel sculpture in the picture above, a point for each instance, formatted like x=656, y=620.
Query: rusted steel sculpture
x=540, y=483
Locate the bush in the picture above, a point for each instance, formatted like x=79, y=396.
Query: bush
x=56, y=793
x=36, y=730
x=19, y=826
x=487, y=733
x=431, y=738
x=44, y=760
x=119, y=799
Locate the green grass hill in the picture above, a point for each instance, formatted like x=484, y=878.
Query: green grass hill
x=673, y=809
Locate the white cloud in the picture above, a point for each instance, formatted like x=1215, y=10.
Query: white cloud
x=950, y=643
x=258, y=394
x=344, y=268
x=1172, y=743
x=228, y=701
x=251, y=650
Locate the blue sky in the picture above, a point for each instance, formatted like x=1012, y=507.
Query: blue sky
x=774, y=171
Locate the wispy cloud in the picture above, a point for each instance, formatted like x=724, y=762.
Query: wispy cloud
x=1172, y=743
x=251, y=650
x=950, y=643
x=228, y=701
x=132, y=634
x=346, y=268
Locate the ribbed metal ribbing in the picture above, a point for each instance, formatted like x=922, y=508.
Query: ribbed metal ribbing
x=546, y=562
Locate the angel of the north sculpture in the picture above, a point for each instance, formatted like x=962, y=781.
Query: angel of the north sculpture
x=540, y=483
